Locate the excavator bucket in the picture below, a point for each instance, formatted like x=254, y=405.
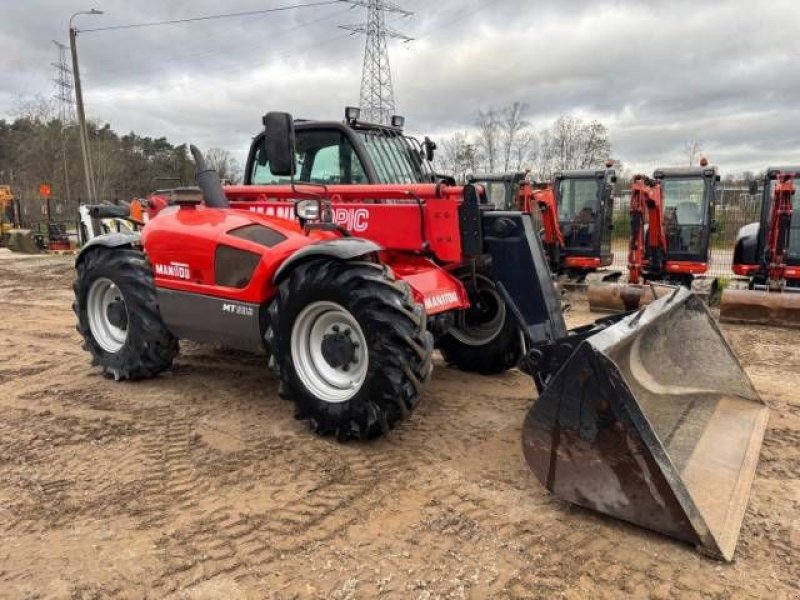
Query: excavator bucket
x=760, y=307
x=618, y=297
x=22, y=240
x=653, y=421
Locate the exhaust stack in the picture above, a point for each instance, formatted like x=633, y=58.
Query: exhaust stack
x=209, y=182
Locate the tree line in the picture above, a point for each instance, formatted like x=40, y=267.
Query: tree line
x=504, y=140
x=38, y=147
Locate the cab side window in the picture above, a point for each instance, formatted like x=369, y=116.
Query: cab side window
x=324, y=157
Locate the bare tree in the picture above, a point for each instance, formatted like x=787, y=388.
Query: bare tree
x=525, y=150
x=224, y=163
x=458, y=156
x=594, y=148
x=511, y=125
x=488, y=137
x=692, y=150
x=448, y=159
x=572, y=143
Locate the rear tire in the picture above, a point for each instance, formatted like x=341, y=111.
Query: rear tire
x=118, y=316
x=350, y=346
x=487, y=340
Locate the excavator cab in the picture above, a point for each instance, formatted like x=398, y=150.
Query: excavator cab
x=585, y=202
x=574, y=214
x=688, y=197
x=672, y=219
x=768, y=254
x=501, y=189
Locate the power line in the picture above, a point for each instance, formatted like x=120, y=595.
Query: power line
x=244, y=66
x=217, y=50
x=249, y=13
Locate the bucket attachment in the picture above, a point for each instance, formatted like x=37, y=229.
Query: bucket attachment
x=22, y=240
x=653, y=421
x=760, y=307
x=618, y=297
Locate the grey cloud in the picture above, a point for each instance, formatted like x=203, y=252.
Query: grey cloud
x=656, y=72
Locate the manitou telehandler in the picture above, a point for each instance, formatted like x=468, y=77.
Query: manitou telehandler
x=671, y=217
x=768, y=254
x=648, y=416
x=575, y=213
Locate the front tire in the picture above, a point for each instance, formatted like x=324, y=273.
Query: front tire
x=118, y=317
x=485, y=338
x=350, y=346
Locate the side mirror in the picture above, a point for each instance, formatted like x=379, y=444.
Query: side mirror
x=713, y=228
x=279, y=143
x=753, y=185
x=429, y=146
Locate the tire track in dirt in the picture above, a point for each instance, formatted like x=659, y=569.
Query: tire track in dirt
x=200, y=483
x=321, y=502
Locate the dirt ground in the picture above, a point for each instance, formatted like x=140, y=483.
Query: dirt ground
x=201, y=484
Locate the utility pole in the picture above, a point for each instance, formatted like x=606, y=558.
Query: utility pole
x=63, y=95
x=84, y=136
x=377, y=94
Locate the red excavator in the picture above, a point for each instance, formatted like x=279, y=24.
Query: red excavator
x=768, y=253
x=575, y=213
x=671, y=217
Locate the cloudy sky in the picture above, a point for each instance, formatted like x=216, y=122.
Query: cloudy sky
x=656, y=72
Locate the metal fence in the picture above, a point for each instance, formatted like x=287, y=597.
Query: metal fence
x=733, y=208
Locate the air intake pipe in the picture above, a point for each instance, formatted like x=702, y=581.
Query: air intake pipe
x=208, y=181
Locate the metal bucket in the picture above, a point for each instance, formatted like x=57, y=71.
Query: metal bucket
x=618, y=297
x=21, y=240
x=760, y=307
x=653, y=421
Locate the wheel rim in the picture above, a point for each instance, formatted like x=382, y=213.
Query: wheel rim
x=329, y=351
x=107, y=314
x=483, y=322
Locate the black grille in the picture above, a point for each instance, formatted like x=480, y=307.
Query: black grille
x=259, y=234
x=233, y=267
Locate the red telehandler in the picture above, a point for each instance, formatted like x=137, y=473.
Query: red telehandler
x=337, y=284
x=768, y=253
x=671, y=220
x=575, y=214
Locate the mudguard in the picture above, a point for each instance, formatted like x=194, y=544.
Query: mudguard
x=342, y=249
x=110, y=240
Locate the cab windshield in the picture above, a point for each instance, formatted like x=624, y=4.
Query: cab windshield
x=397, y=159
x=684, y=213
x=577, y=211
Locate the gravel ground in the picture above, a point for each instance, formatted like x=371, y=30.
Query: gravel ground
x=201, y=484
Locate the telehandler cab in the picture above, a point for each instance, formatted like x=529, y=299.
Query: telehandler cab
x=647, y=417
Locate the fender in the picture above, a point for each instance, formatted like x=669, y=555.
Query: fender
x=342, y=249
x=110, y=240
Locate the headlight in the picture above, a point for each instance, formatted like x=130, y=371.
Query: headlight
x=308, y=210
